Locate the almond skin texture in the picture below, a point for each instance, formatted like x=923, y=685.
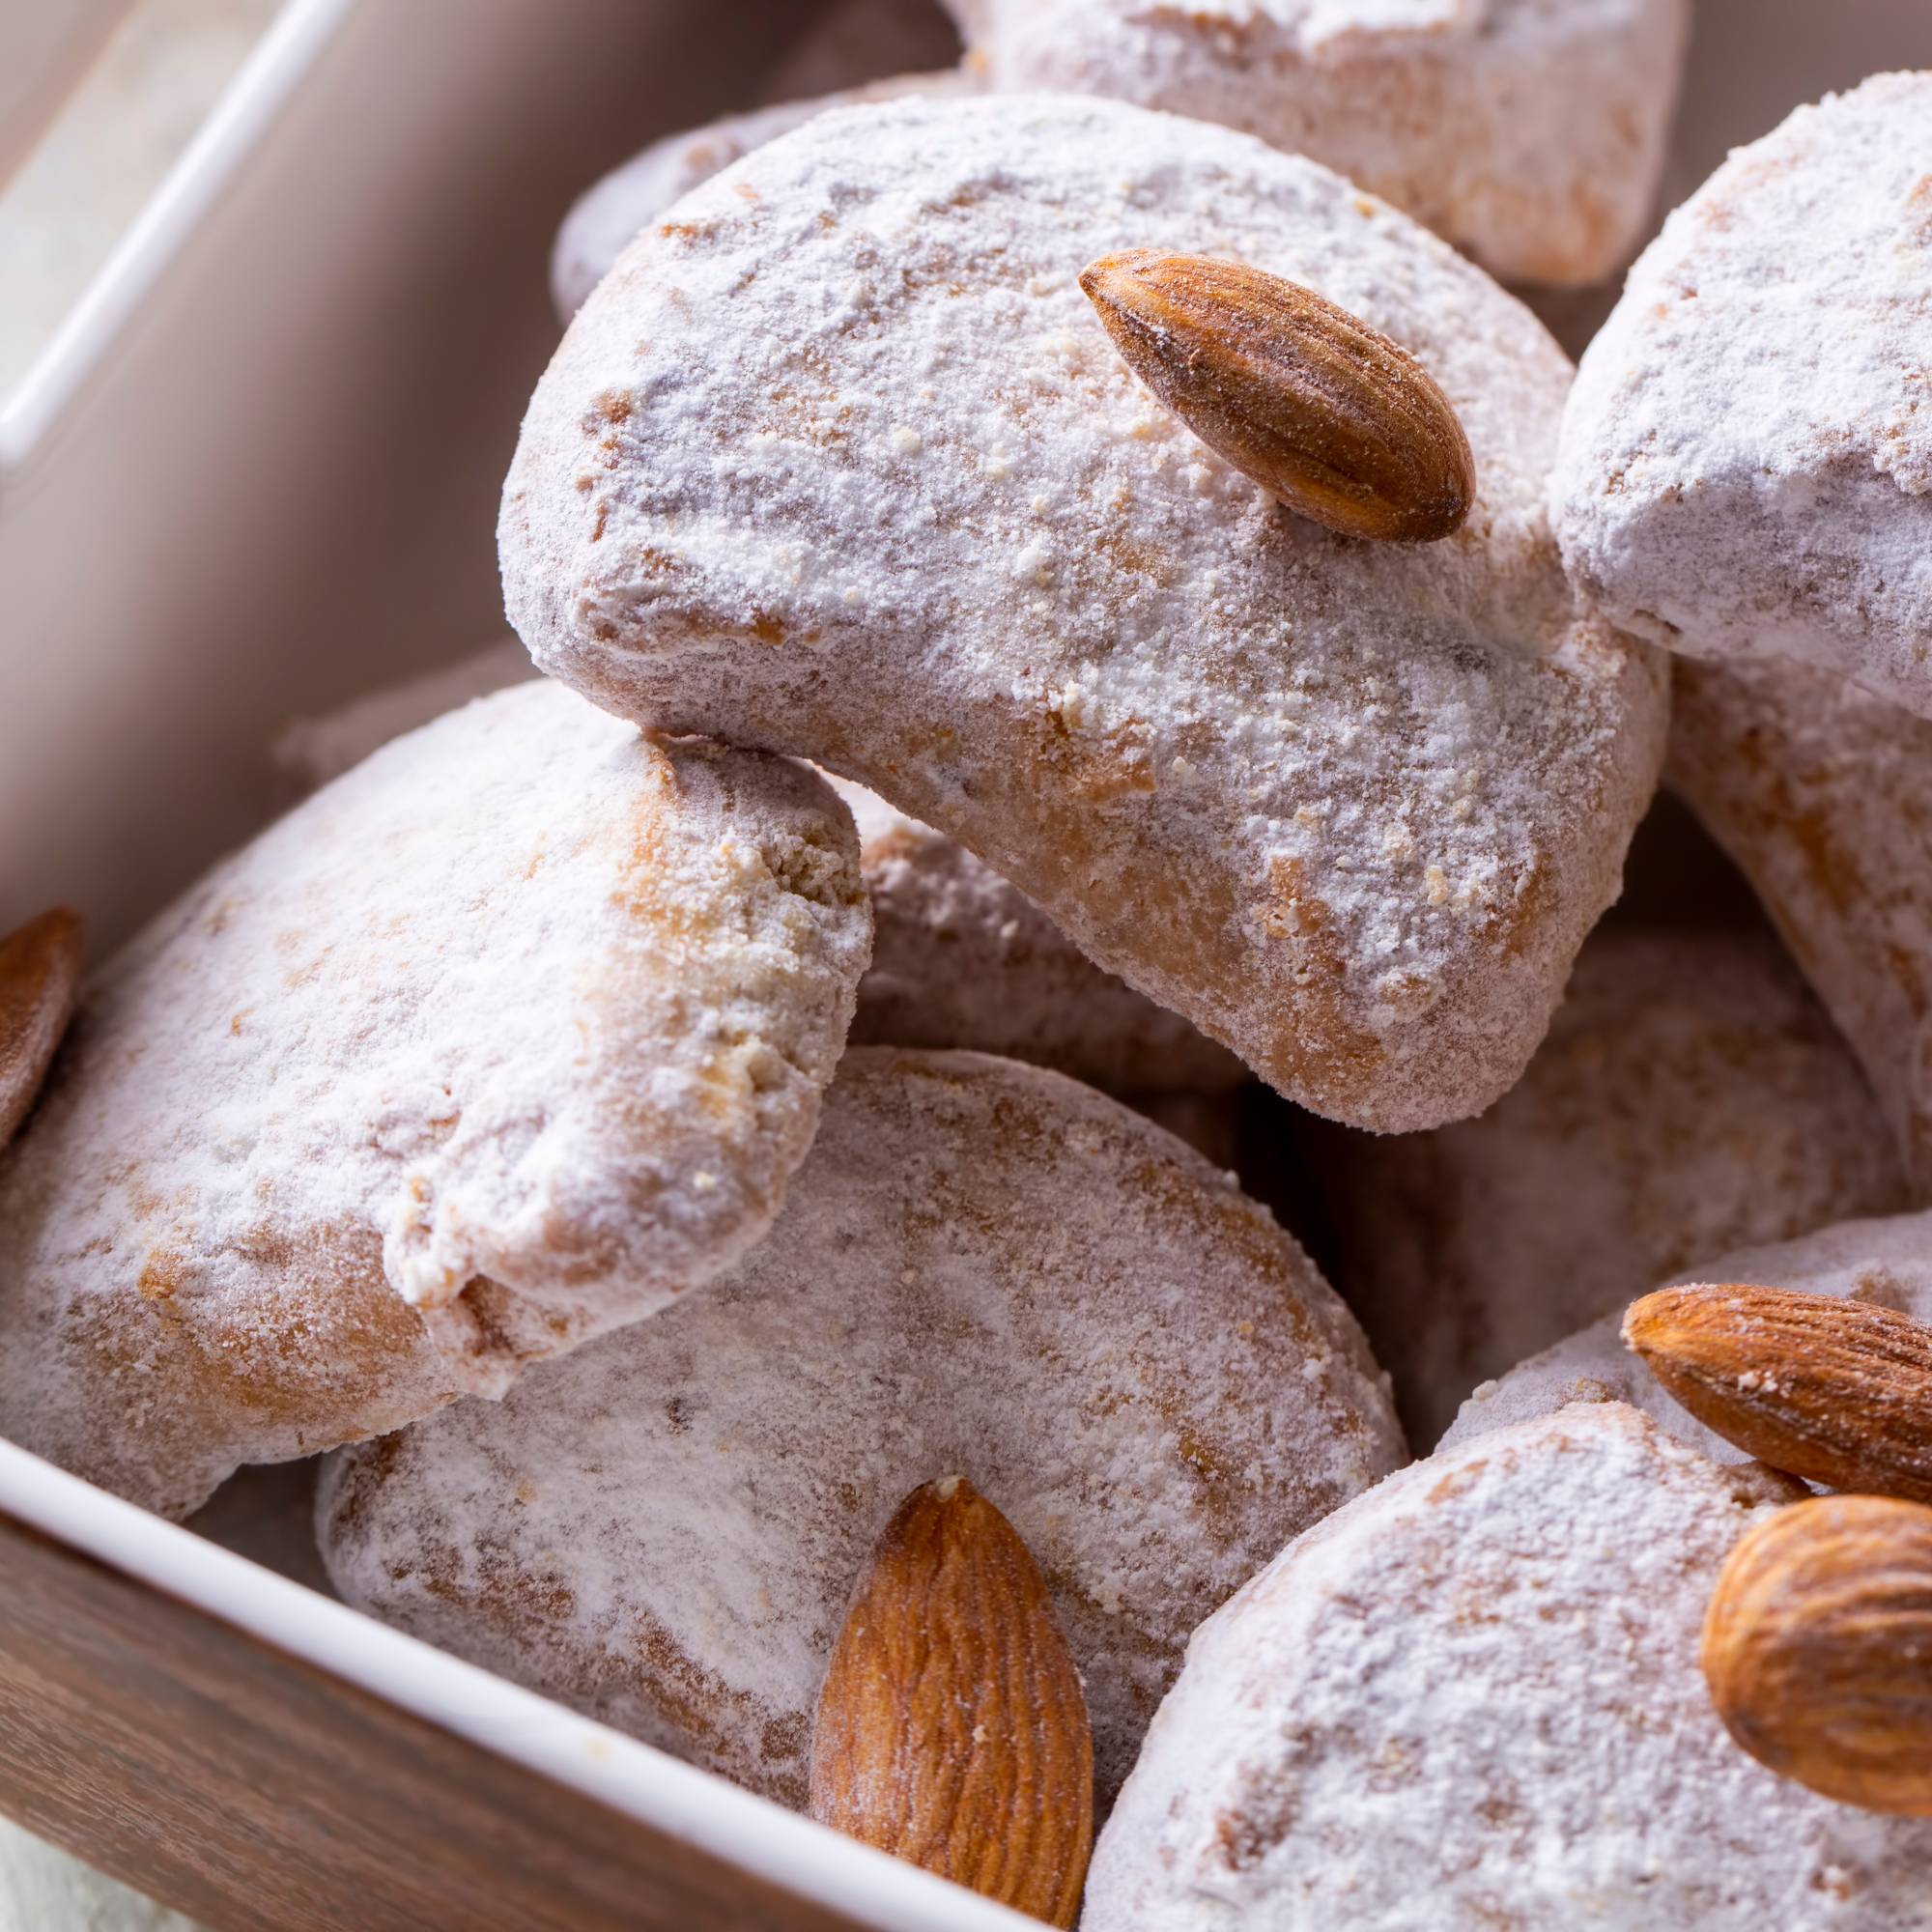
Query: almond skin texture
x=1321, y=411
x=952, y=1729
x=1818, y=1649
x=39, y=975
x=1837, y=1391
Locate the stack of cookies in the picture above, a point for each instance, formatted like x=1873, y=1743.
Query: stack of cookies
x=1097, y=677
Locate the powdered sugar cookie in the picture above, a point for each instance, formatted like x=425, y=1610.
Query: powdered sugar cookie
x=1530, y=132
x=1822, y=795
x=1887, y=1261
x=1692, y=1097
x=1472, y=1698
x=499, y=1042
x=608, y=216
x=1745, y=471
x=983, y=1269
x=960, y=958
x=1350, y=807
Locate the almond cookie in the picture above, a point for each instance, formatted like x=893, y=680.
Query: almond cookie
x=959, y=956
x=1471, y=1700
x=1348, y=807
x=1530, y=132
x=1692, y=1097
x=1886, y=1262
x=609, y=215
x=983, y=1269
x=499, y=1042
x=1745, y=470
x=1822, y=795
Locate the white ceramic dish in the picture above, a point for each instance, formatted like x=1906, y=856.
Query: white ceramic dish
x=257, y=474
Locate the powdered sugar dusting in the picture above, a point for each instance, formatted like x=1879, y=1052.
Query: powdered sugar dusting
x=497, y=1043
x=981, y=1269
x=1887, y=1261
x=1529, y=131
x=1350, y=807
x=1472, y=1698
x=1746, y=463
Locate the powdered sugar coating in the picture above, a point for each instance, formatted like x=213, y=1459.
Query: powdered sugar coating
x=960, y=958
x=1822, y=794
x=983, y=1269
x=1471, y=1700
x=1530, y=132
x=498, y=1043
x=611, y=214
x=1351, y=807
x=1692, y=1097
x=1886, y=1262
x=1746, y=459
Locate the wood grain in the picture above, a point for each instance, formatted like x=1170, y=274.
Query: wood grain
x=258, y=1794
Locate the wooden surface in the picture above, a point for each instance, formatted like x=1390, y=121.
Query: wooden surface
x=260, y=1795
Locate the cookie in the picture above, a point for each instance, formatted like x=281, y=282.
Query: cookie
x=1692, y=1097
x=1745, y=470
x=501, y=1041
x=1348, y=807
x=983, y=1269
x=1822, y=795
x=1886, y=1262
x=1472, y=1698
x=609, y=215
x=960, y=958
x=1529, y=132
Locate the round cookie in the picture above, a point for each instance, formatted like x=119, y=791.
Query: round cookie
x=1471, y=1700
x=611, y=213
x=1530, y=132
x=960, y=958
x=1350, y=807
x=498, y=1043
x=1747, y=462
x=983, y=1269
x=1692, y=1097
x=1886, y=1262
x=1822, y=795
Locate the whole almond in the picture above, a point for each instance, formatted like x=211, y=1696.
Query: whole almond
x=1837, y=1391
x=951, y=1728
x=39, y=975
x=1818, y=1649
x=1324, y=412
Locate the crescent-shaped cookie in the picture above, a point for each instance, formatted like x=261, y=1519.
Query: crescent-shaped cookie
x=840, y=461
x=1471, y=1700
x=498, y=1043
x=983, y=1269
x=1692, y=1097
